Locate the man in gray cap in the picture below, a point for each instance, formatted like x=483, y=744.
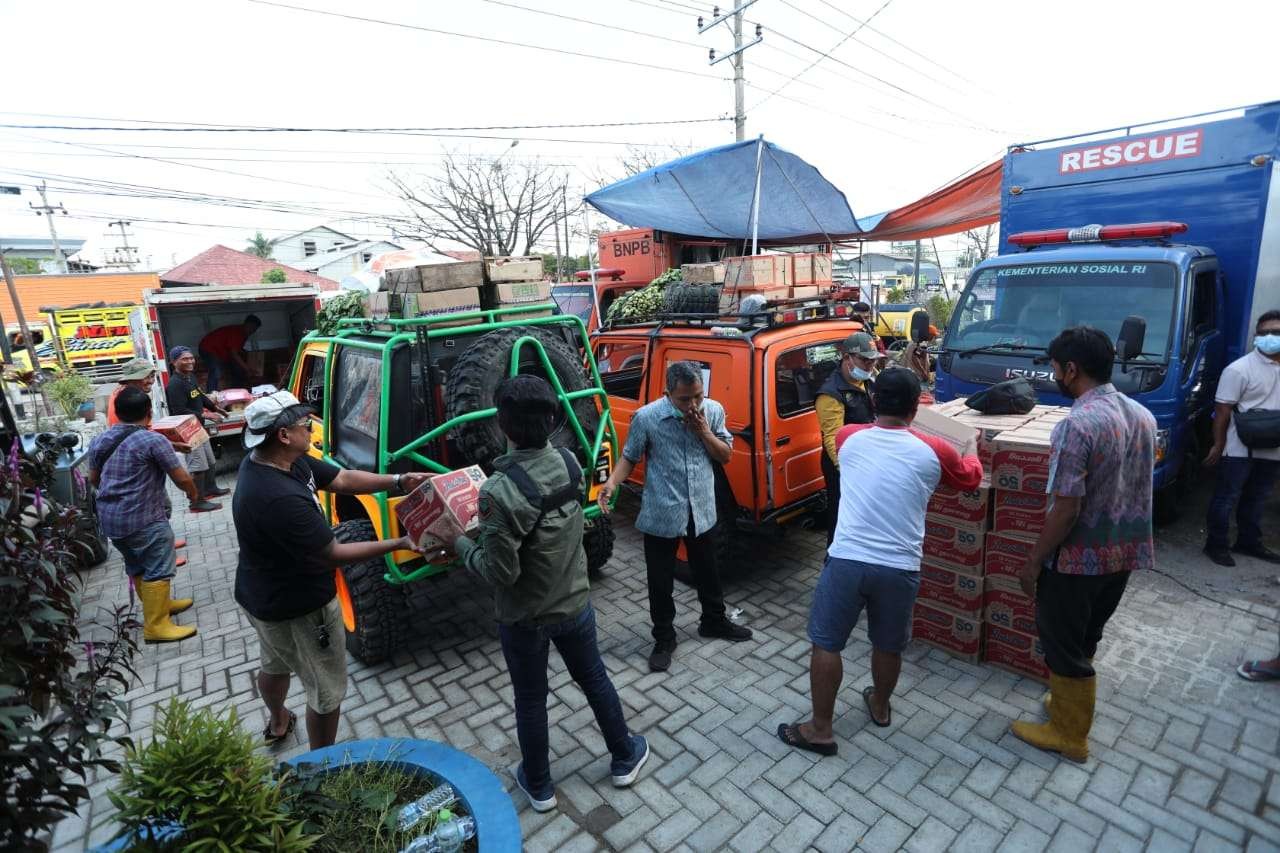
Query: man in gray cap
x=845, y=398
x=185, y=397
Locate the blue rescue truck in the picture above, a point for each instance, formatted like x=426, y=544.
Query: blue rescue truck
x=1177, y=224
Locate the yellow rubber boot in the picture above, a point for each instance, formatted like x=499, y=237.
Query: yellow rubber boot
x=1070, y=718
x=156, y=627
x=1049, y=695
x=176, y=605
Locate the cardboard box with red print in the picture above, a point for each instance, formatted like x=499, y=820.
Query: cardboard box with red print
x=953, y=544
x=958, y=591
x=443, y=508
x=1020, y=512
x=955, y=633
x=1005, y=605
x=1016, y=652
x=1020, y=462
x=1005, y=554
x=971, y=507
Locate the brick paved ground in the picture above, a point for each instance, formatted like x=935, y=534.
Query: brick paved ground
x=1185, y=754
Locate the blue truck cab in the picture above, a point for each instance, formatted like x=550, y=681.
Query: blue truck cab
x=1177, y=223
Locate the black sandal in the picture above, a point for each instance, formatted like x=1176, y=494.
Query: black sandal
x=273, y=739
x=866, y=698
x=790, y=735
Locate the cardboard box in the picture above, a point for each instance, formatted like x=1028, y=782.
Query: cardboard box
x=1016, y=652
x=812, y=292
x=1004, y=604
x=401, y=280
x=521, y=293
x=810, y=268
x=930, y=421
x=1020, y=512
x=954, y=633
x=378, y=305
x=183, y=431
x=957, y=591
x=513, y=269
x=703, y=273
x=972, y=507
x=443, y=508
x=440, y=304
x=1005, y=554
x=953, y=544
x=1020, y=462
x=762, y=272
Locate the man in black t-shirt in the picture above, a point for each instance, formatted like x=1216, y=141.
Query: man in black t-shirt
x=285, y=577
x=185, y=397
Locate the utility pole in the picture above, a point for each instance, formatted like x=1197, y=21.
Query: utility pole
x=22, y=318
x=564, y=202
x=739, y=79
x=124, y=253
x=44, y=209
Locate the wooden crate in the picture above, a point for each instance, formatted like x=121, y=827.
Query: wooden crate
x=437, y=277
x=501, y=270
x=811, y=268
x=761, y=272
x=703, y=273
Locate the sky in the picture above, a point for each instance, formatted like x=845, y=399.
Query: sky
x=889, y=100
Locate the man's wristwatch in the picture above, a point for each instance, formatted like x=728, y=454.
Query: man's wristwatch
x=396, y=480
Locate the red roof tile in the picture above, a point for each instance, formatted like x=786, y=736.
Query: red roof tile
x=463, y=254
x=220, y=265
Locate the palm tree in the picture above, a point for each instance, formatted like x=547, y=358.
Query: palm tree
x=261, y=246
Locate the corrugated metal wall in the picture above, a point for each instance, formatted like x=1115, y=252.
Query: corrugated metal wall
x=37, y=291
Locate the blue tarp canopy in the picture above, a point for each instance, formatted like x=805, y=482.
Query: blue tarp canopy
x=712, y=194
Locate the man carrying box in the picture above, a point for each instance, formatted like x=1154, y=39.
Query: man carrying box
x=530, y=549
x=876, y=566
x=128, y=464
x=1096, y=531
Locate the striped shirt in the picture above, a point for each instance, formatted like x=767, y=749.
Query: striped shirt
x=679, y=477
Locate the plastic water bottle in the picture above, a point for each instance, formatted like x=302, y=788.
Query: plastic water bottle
x=429, y=803
x=448, y=837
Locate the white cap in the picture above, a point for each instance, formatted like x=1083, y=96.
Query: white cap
x=271, y=412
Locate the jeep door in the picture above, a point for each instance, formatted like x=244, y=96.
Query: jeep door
x=794, y=370
x=622, y=362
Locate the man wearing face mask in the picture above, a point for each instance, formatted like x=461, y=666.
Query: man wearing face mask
x=1245, y=475
x=845, y=398
x=1096, y=532
x=678, y=437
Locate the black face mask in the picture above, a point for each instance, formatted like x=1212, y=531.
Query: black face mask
x=1063, y=389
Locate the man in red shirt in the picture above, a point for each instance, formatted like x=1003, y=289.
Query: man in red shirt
x=222, y=351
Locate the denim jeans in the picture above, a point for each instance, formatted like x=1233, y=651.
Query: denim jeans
x=218, y=367
x=1243, y=484
x=526, y=649
x=148, y=553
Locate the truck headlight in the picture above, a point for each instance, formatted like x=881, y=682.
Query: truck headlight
x=1162, y=444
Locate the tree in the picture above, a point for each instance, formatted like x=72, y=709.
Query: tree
x=261, y=247
x=274, y=276
x=639, y=159
x=493, y=207
x=978, y=243
x=25, y=266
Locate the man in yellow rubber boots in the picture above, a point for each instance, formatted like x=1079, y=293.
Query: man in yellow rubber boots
x=129, y=463
x=1097, y=531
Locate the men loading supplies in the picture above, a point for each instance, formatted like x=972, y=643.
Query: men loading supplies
x=845, y=398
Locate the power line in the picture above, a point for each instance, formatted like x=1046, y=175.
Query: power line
x=888, y=37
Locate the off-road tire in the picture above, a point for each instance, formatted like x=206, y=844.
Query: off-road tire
x=681, y=298
x=379, y=607
x=475, y=377
x=597, y=541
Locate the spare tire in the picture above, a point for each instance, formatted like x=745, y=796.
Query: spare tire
x=681, y=298
x=475, y=377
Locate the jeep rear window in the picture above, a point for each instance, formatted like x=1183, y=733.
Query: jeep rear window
x=799, y=373
x=359, y=393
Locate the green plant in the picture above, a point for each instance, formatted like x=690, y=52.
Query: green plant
x=645, y=303
x=200, y=771
x=58, y=675
x=897, y=295
x=348, y=303
x=260, y=246
x=25, y=266
x=69, y=390
x=940, y=307
x=274, y=275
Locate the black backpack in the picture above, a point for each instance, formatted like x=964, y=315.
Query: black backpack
x=545, y=503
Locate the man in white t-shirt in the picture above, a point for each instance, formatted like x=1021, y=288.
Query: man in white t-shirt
x=874, y=560
x=1245, y=477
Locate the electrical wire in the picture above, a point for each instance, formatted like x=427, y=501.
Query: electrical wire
x=890, y=38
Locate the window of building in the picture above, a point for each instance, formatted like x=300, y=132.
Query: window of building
x=365, y=257
x=799, y=373
x=308, y=248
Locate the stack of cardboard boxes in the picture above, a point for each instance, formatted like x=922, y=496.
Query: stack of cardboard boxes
x=804, y=275
x=810, y=274
x=512, y=282
x=970, y=603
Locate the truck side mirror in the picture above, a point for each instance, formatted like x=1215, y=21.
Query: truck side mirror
x=919, y=326
x=1133, y=333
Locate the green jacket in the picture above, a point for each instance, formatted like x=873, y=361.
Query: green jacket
x=539, y=576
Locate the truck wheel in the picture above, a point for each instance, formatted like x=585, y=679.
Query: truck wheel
x=372, y=609
x=681, y=298
x=475, y=377
x=597, y=541
x=1167, y=504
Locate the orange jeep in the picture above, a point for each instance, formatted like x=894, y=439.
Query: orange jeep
x=765, y=369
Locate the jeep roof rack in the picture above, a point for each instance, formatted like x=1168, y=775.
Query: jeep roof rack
x=779, y=312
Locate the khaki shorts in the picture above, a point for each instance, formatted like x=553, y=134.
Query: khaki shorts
x=201, y=459
x=290, y=647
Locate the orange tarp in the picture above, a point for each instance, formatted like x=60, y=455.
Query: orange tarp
x=63, y=291
x=970, y=202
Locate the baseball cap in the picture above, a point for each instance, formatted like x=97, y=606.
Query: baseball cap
x=859, y=343
x=897, y=390
x=138, y=368
x=270, y=413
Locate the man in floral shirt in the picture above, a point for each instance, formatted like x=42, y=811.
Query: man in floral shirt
x=1097, y=531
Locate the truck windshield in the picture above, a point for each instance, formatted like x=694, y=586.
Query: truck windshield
x=1026, y=306
x=574, y=299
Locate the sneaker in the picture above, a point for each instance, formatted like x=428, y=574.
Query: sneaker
x=540, y=802
x=1258, y=552
x=723, y=629
x=1221, y=556
x=217, y=492
x=660, y=658
x=625, y=772
x=203, y=505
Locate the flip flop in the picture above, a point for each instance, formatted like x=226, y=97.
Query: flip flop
x=790, y=735
x=1255, y=671
x=866, y=698
x=273, y=739
x=179, y=543
x=179, y=562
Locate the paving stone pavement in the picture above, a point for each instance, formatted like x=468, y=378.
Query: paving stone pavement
x=1185, y=755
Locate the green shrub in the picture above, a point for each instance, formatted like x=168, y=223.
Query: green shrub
x=69, y=390
x=940, y=307
x=200, y=771
x=896, y=295
x=349, y=303
x=274, y=276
